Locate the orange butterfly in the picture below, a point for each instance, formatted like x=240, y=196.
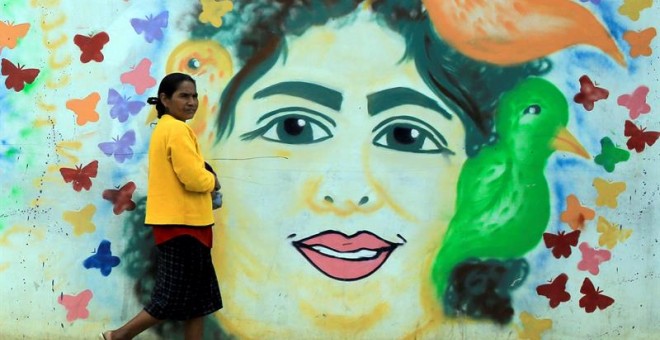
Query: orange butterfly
x=640, y=42
x=576, y=214
x=9, y=34
x=85, y=109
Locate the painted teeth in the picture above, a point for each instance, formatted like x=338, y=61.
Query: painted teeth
x=354, y=255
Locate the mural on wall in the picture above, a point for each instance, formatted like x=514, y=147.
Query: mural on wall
x=390, y=169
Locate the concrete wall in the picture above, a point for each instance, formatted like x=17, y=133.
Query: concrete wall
x=388, y=170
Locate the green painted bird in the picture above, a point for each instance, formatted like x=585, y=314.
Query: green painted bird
x=503, y=200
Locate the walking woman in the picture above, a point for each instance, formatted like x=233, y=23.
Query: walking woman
x=179, y=209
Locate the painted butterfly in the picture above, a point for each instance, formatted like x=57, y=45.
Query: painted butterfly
x=610, y=155
x=639, y=137
x=561, y=243
x=85, y=109
x=635, y=102
x=608, y=192
x=17, y=76
x=532, y=327
x=102, y=259
x=122, y=107
x=611, y=234
x=80, y=176
x=81, y=220
x=555, y=291
x=593, y=298
x=576, y=214
x=120, y=148
x=139, y=77
x=592, y=258
x=589, y=93
x=76, y=305
x=152, y=27
x=633, y=8
x=122, y=198
x=9, y=34
x=640, y=41
x=91, y=46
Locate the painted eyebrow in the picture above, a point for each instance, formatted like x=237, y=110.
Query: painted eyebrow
x=384, y=100
x=313, y=92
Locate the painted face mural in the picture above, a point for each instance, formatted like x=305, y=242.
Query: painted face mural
x=389, y=169
x=369, y=135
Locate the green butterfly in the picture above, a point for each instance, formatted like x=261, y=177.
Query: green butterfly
x=610, y=155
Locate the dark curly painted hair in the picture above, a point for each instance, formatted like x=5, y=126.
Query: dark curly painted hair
x=256, y=30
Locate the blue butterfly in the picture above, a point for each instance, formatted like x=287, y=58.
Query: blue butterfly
x=120, y=147
x=151, y=27
x=103, y=259
x=122, y=106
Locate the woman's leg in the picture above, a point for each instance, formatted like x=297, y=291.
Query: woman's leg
x=194, y=329
x=137, y=325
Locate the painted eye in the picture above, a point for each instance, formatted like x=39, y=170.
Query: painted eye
x=293, y=125
x=409, y=137
x=532, y=109
x=194, y=64
x=296, y=129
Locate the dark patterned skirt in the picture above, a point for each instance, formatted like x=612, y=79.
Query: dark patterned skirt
x=186, y=286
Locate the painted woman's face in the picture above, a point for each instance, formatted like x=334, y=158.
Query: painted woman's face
x=338, y=183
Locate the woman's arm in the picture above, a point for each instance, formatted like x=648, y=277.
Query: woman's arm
x=188, y=164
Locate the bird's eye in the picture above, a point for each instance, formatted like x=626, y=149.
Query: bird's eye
x=532, y=109
x=193, y=64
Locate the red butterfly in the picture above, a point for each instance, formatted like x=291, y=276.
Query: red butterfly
x=561, y=243
x=17, y=77
x=639, y=137
x=593, y=298
x=555, y=290
x=589, y=93
x=91, y=46
x=80, y=176
x=122, y=198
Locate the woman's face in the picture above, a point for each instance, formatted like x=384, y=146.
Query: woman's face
x=339, y=181
x=183, y=103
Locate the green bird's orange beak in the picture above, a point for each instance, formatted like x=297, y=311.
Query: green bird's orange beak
x=565, y=141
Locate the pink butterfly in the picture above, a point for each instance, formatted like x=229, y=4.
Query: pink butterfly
x=76, y=305
x=591, y=258
x=635, y=102
x=139, y=77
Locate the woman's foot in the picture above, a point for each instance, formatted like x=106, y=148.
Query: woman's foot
x=107, y=335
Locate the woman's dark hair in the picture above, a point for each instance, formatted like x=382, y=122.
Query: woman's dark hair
x=256, y=29
x=168, y=86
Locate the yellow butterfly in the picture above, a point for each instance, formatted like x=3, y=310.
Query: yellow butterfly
x=213, y=10
x=632, y=8
x=532, y=327
x=9, y=34
x=81, y=220
x=608, y=192
x=611, y=234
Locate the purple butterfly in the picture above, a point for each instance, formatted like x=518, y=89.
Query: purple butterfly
x=152, y=27
x=120, y=147
x=122, y=106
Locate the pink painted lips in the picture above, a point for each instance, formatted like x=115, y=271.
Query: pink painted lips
x=345, y=258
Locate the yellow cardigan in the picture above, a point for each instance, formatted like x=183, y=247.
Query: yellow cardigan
x=179, y=186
